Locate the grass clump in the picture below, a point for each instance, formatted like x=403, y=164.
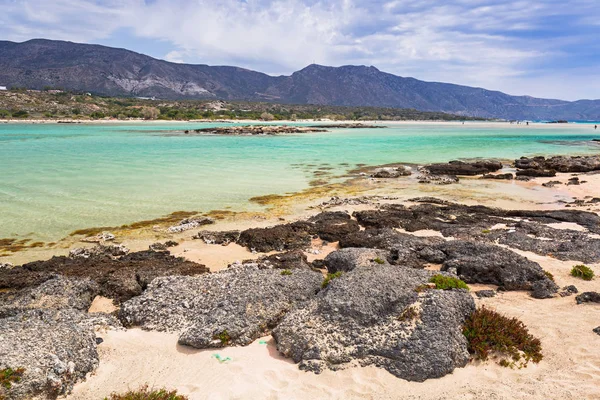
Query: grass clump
x=583, y=272
x=379, y=261
x=409, y=313
x=486, y=231
x=329, y=278
x=145, y=393
x=8, y=376
x=286, y=272
x=223, y=337
x=549, y=276
x=447, y=282
x=489, y=333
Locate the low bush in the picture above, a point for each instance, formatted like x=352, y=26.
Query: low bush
x=286, y=272
x=8, y=376
x=583, y=272
x=144, y=393
x=223, y=337
x=379, y=261
x=329, y=278
x=447, y=282
x=549, y=275
x=491, y=334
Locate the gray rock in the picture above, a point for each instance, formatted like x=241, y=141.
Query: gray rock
x=190, y=223
x=222, y=238
x=292, y=236
x=347, y=259
x=163, y=247
x=6, y=266
x=391, y=172
x=112, y=250
x=373, y=316
x=588, y=297
x=55, y=294
x=491, y=264
x=596, y=330
x=291, y=260
x=485, y=293
x=233, y=306
x=568, y=291
x=54, y=347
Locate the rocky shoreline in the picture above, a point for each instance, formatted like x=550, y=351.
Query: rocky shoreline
x=369, y=302
x=250, y=130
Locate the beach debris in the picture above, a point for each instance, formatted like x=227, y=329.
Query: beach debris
x=239, y=304
x=220, y=358
x=262, y=342
x=362, y=318
x=190, y=223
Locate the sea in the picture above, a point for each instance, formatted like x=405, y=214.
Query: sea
x=56, y=178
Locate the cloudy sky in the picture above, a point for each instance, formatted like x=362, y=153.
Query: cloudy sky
x=544, y=48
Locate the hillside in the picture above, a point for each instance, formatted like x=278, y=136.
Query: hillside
x=39, y=63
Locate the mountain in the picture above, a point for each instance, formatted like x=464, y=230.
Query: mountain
x=39, y=63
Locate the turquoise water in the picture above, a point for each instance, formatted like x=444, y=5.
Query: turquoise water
x=57, y=178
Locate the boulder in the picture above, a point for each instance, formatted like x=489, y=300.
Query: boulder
x=190, y=223
x=291, y=260
x=507, y=176
x=110, y=250
x=222, y=238
x=491, y=264
x=332, y=226
x=588, y=297
x=537, y=173
x=464, y=168
x=373, y=315
x=391, y=172
x=234, y=306
x=485, y=293
x=277, y=238
x=347, y=259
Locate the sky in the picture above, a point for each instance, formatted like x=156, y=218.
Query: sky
x=543, y=48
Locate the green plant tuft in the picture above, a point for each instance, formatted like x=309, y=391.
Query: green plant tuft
x=223, y=337
x=489, y=333
x=329, y=278
x=486, y=231
x=8, y=376
x=447, y=282
x=549, y=275
x=144, y=393
x=583, y=272
x=286, y=272
x=409, y=313
x=379, y=261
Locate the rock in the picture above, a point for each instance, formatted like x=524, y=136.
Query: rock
x=438, y=179
x=588, y=297
x=332, y=226
x=537, y=173
x=162, y=246
x=485, y=293
x=574, y=181
x=464, y=168
x=551, y=184
x=491, y=264
x=54, y=294
x=222, y=238
x=52, y=347
x=291, y=260
x=292, y=236
x=568, y=291
x=561, y=163
x=391, y=172
x=596, y=330
x=373, y=316
x=507, y=176
x=233, y=306
x=522, y=178
x=347, y=259
x=6, y=266
x=258, y=130
x=530, y=163
x=112, y=250
x=190, y=223
x=102, y=237
x=118, y=279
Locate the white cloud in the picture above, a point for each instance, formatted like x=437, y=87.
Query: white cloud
x=491, y=43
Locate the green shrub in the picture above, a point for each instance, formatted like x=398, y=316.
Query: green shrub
x=549, y=275
x=20, y=114
x=583, y=272
x=410, y=313
x=379, y=261
x=286, y=272
x=144, y=393
x=447, y=282
x=491, y=334
x=329, y=277
x=486, y=231
x=8, y=376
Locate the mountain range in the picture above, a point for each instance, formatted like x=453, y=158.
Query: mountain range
x=102, y=70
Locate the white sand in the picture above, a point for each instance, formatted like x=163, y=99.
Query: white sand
x=570, y=368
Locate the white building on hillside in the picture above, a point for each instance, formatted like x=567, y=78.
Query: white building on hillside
x=3, y=88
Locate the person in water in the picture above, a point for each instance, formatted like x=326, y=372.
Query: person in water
x=595, y=126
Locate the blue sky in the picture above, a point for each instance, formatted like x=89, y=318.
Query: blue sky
x=544, y=48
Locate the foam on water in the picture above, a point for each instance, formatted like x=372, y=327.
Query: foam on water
x=58, y=178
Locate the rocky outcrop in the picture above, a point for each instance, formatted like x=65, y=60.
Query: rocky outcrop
x=372, y=315
x=119, y=279
x=290, y=260
x=190, y=223
x=537, y=173
x=464, y=168
x=234, y=306
x=491, y=264
x=54, y=348
x=560, y=163
x=391, y=172
x=258, y=130
x=507, y=176
x=222, y=238
x=332, y=226
x=110, y=250
x=347, y=259
x=588, y=297
x=277, y=238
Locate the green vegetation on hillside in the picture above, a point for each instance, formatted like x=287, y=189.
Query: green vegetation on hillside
x=56, y=104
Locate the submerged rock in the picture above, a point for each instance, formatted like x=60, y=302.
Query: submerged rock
x=234, y=306
x=372, y=315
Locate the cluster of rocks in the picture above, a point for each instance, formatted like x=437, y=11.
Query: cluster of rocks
x=548, y=167
x=447, y=173
x=348, y=126
x=190, y=223
x=391, y=172
x=257, y=130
